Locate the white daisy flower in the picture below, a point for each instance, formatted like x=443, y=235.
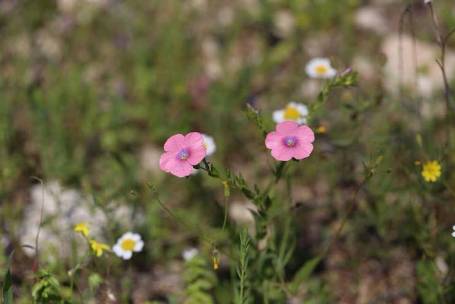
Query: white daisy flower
x=453, y=233
x=294, y=111
x=189, y=253
x=209, y=144
x=320, y=68
x=129, y=242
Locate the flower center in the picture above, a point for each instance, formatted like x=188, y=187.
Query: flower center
x=128, y=245
x=290, y=141
x=321, y=69
x=183, y=154
x=291, y=113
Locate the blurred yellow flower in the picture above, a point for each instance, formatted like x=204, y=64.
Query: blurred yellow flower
x=82, y=228
x=215, y=259
x=431, y=171
x=321, y=129
x=98, y=248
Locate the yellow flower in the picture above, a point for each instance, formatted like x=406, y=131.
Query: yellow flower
x=215, y=259
x=98, y=248
x=82, y=228
x=431, y=171
x=321, y=129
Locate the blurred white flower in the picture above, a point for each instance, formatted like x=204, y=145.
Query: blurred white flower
x=320, y=68
x=453, y=233
x=209, y=144
x=294, y=111
x=129, y=242
x=428, y=1
x=189, y=253
x=243, y=214
x=284, y=23
x=371, y=18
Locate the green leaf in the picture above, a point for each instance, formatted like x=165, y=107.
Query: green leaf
x=304, y=273
x=7, y=289
x=254, y=116
x=428, y=285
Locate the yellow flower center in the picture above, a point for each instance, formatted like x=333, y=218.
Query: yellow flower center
x=431, y=171
x=128, y=245
x=291, y=113
x=321, y=69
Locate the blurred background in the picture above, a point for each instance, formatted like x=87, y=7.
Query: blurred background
x=91, y=89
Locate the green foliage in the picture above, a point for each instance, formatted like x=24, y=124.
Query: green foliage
x=429, y=286
x=304, y=273
x=199, y=281
x=90, y=90
x=242, y=295
x=7, y=286
x=47, y=289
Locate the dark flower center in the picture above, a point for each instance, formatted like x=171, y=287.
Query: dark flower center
x=290, y=141
x=183, y=154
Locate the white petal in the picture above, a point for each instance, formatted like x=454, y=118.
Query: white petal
x=331, y=73
x=303, y=109
x=127, y=235
x=278, y=116
x=135, y=237
x=293, y=104
x=453, y=234
x=189, y=253
x=117, y=250
x=209, y=144
x=138, y=246
x=127, y=255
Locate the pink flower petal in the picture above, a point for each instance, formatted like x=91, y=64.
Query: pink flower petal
x=305, y=134
x=286, y=128
x=181, y=168
x=303, y=151
x=194, y=138
x=273, y=140
x=282, y=153
x=166, y=160
x=174, y=143
x=197, y=155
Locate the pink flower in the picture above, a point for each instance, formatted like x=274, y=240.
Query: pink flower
x=181, y=153
x=290, y=140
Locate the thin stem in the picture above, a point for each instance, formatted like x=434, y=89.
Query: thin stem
x=442, y=42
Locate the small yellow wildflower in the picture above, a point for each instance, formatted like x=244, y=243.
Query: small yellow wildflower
x=431, y=171
x=321, y=129
x=215, y=259
x=82, y=228
x=98, y=248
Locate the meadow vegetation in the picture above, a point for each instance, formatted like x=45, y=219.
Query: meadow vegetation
x=91, y=90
